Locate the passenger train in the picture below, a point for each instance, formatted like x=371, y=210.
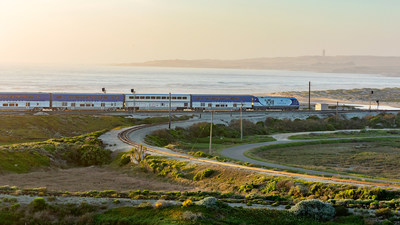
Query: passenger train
x=37, y=101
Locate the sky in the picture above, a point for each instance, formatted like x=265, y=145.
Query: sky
x=122, y=31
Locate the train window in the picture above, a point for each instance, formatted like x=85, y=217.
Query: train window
x=153, y=97
x=73, y=104
x=137, y=97
x=88, y=105
x=179, y=97
x=173, y=97
x=103, y=104
x=130, y=97
x=184, y=97
x=147, y=97
x=65, y=104
x=141, y=97
x=202, y=104
x=5, y=104
x=163, y=97
x=209, y=105
x=28, y=104
x=105, y=97
x=11, y=104
x=158, y=97
x=92, y=105
x=234, y=105
x=16, y=104
x=37, y=103
x=58, y=97
x=216, y=105
x=82, y=105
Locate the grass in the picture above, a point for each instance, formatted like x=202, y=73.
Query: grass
x=41, y=212
x=31, y=128
x=346, y=134
x=84, y=150
x=198, y=215
x=218, y=144
x=376, y=157
x=22, y=162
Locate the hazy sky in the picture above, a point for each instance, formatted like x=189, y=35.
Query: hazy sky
x=114, y=31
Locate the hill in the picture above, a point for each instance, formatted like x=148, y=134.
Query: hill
x=389, y=66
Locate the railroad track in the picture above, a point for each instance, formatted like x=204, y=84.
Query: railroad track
x=124, y=137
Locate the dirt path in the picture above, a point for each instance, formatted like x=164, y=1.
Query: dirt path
x=89, y=178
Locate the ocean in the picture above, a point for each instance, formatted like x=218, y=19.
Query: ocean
x=121, y=79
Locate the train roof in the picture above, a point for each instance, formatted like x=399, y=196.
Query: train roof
x=24, y=96
x=222, y=98
x=87, y=97
x=139, y=94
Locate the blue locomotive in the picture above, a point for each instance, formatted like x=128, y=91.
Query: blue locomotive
x=112, y=102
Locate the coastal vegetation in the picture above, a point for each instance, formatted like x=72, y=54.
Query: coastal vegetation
x=196, y=137
x=32, y=128
x=373, y=157
x=346, y=134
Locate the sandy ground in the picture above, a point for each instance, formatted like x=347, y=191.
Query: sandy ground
x=88, y=178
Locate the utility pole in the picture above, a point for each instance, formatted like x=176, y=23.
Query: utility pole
x=134, y=100
x=377, y=104
x=372, y=92
x=209, y=147
x=337, y=113
x=309, y=95
x=241, y=122
x=169, y=109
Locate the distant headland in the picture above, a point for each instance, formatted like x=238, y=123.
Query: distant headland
x=385, y=65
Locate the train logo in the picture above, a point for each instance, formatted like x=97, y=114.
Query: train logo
x=269, y=102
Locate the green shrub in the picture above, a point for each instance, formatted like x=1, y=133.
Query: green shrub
x=125, y=159
x=341, y=211
x=385, y=213
x=38, y=204
x=187, y=203
x=203, y=174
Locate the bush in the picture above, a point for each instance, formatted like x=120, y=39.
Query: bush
x=125, y=159
x=341, y=211
x=385, y=213
x=38, y=204
x=162, y=204
x=203, y=174
x=315, y=209
x=145, y=205
x=187, y=203
x=208, y=202
x=191, y=216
